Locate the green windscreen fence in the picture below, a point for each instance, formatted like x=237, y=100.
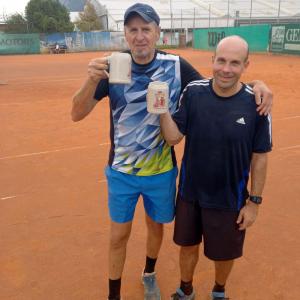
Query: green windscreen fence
x=257, y=36
x=19, y=43
x=285, y=38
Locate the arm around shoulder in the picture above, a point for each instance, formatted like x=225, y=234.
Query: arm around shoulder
x=263, y=97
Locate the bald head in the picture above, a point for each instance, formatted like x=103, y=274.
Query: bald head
x=229, y=62
x=234, y=43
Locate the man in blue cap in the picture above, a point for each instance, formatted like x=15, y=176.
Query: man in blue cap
x=140, y=161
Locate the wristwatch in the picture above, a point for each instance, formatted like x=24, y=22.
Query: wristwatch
x=255, y=199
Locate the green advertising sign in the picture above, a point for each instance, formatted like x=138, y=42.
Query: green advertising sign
x=19, y=43
x=257, y=36
x=285, y=38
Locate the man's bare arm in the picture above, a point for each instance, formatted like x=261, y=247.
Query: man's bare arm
x=263, y=96
x=169, y=129
x=258, y=173
x=83, y=100
x=249, y=212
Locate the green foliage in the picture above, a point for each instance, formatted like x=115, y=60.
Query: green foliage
x=88, y=19
x=47, y=16
x=16, y=24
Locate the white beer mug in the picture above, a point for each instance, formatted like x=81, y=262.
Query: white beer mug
x=157, y=97
x=119, y=68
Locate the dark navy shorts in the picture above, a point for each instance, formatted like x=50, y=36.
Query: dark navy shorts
x=218, y=228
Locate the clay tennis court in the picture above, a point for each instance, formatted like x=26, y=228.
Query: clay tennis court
x=54, y=222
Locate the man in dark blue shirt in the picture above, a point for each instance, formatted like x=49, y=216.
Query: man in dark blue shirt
x=225, y=138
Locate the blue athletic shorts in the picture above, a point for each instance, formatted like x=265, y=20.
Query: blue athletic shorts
x=158, y=192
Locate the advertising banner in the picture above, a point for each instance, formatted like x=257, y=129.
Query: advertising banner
x=285, y=38
x=19, y=43
x=257, y=36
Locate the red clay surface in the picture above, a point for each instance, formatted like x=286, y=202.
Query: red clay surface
x=54, y=224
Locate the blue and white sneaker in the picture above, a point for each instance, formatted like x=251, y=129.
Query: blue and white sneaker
x=151, y=289
x=218, y=296
x=180, y=295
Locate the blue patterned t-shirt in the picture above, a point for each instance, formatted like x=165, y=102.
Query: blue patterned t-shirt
x=137, y=145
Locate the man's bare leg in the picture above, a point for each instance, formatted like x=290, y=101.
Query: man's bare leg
x=119, y=235
x=188, y=260
x=155, y=233
x=154, y=237
x=222, y=272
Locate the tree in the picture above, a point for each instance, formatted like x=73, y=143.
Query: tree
x=47, y=16
x=88, y=19
x=16, y=23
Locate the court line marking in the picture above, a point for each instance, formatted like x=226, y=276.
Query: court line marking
x=288, y=148
x=19, y=82
x=15, y=196
x=8, y=197
x=104, y=180
x=17, y=103
x=286, y=118
x=50, y=151
x=50, y=80
x=85, y=147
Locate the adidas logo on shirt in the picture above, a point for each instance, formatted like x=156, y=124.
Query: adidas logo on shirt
x=241, y=121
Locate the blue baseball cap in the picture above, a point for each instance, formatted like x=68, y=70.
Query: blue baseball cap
x=145, y=11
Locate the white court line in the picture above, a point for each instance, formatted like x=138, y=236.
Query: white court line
x=288, y=148
x=50, y=151
x=9, y=197
x=19, y=82
x=287, y=118
x=50, y=80
x=18, y=103
x=101, y=181
x=84, y=147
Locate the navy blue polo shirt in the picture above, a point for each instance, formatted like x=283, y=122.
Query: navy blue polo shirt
x=221, y=133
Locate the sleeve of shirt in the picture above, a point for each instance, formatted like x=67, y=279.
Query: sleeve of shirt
x=263, y=134
x=101, y=89
x=180, y=116
x=188, y=73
